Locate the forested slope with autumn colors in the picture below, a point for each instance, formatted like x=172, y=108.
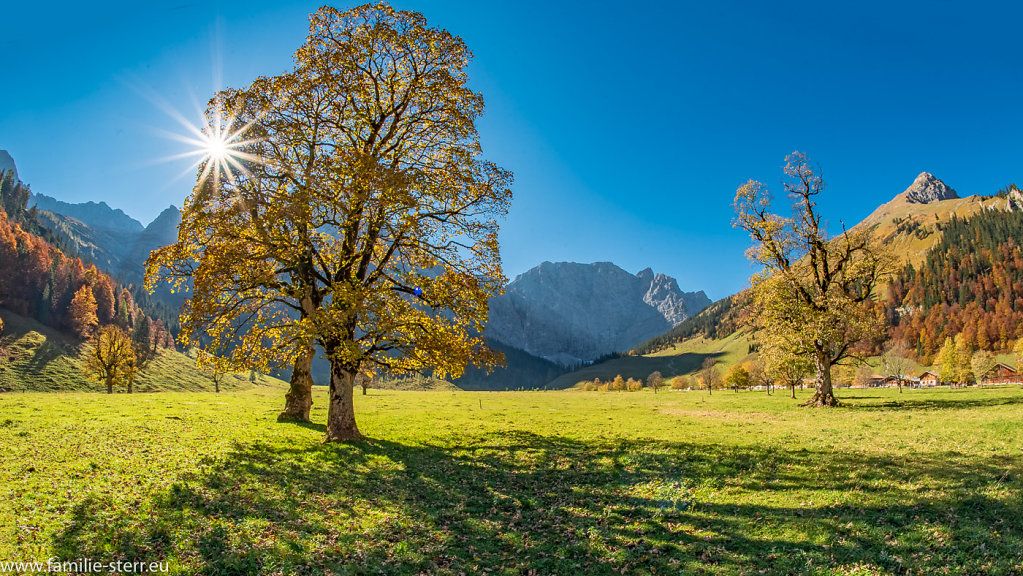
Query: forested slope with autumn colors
x=961, y=271
x=41, y=334
x=39, y=281
x=970, y=283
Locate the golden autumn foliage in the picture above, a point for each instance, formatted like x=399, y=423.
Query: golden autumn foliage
x=363, y=220
x=814, y=296
x=110, y=358
x=82, y=311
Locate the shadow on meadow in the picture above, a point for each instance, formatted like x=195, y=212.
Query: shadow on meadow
x=950, y=402
x=519, y=503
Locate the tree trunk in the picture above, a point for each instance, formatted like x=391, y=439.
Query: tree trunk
x=130, y=382
x=793, y=386
x=110, y=385
x=341, y=407
x=299, y=399
x=823, y=393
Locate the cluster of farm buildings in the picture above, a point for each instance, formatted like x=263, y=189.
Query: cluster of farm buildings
x=1000, y=374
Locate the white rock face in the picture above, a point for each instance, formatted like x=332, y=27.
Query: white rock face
x=569, y=312
x=927, y=189
x=1015, y=200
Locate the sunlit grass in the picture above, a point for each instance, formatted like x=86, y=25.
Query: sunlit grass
x=549, y=482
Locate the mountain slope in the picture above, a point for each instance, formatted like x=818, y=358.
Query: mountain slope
x=163, y=230
x=572, y=313
x=915, y=224
x=92, y=214
x=7, y=163
x=910, y=222
x=106, y=237
x=522, y=371
x=970, y=283
x=37, y=358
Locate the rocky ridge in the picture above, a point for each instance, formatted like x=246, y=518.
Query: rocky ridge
x=7, y=163
x=927, y=189
x=572, y=313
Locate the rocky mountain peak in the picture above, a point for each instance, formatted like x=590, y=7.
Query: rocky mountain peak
x=1014, y=200
x=927, y=189
x=166, y=222
x=569, y=312
x=7, y=163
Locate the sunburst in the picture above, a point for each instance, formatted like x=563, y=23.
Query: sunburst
x=218, y=146
x=221, y=147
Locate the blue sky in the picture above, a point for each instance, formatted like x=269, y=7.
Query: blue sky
x=628, y=126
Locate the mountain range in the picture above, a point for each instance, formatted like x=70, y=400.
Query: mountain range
x=573, y=313
x=107, y=237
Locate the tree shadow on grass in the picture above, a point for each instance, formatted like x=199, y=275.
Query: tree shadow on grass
x=929, y=404
x=44, y=354
x=521, y=503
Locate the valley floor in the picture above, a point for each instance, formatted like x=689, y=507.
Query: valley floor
x=926, y=482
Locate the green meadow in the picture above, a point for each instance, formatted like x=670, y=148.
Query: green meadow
x=569, y=482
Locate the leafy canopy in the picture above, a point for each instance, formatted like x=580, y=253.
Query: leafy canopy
x=359, y=214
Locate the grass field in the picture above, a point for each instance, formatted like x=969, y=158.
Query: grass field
x=927, y=482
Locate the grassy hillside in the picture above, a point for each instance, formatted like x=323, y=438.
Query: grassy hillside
x=521, y=371
x=910, y=229
x=684, y=358
x=34, y=357
x=520, y=483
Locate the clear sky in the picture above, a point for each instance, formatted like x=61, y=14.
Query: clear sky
x=628, y=125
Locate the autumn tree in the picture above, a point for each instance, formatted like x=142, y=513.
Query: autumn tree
x=737, y=377
x=709, y=376
x=110, y=358
x=983, y=363
x=655, y=380
x=103, y=291
x=863, y=377
x=895, y=360
x=82, y=311
x=758, y=375
x=363, y=381
x=215, y=367
x=145, y=344
x=788, y=369
x=353, y=211
x=948, y=369
x=814, y=295
x=618, y=384
x=963, y=361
